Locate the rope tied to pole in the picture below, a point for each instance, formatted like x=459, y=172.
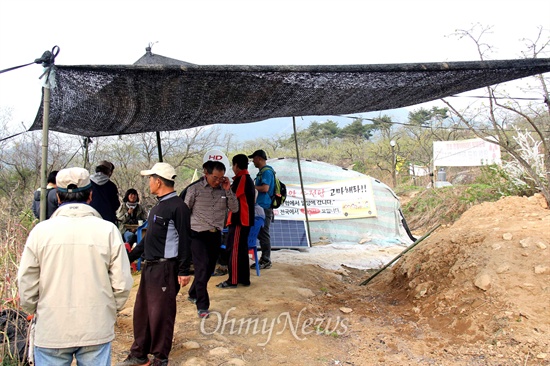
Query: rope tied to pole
x=48, y=62
x=47, y=59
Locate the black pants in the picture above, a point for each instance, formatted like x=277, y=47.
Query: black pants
x=237, y=244
x=205, y=249
x=264, y=237
x=155, y=310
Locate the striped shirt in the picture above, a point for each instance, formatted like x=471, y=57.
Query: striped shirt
x=208, y=206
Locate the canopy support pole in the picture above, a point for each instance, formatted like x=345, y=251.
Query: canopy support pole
x=159, y=147
x=300, y=173
x=86, y=143
x=47, y=60
x=44, y=166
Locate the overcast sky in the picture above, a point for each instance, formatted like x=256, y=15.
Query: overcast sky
x=256, y=32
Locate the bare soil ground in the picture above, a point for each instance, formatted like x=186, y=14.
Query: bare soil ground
x=473, y=293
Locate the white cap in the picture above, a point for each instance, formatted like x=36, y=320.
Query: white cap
x=163, y=170
x=73, y=180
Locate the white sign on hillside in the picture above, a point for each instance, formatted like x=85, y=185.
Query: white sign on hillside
x=472, y=152
x=418, y=170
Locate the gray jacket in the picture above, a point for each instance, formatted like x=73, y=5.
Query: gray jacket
x=51, y=202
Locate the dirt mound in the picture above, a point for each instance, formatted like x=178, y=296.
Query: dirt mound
x=486, y=278
x=474, y=293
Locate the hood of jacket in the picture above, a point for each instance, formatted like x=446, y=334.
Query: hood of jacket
x=74, y=209
x=39, y=190
x=99, y=178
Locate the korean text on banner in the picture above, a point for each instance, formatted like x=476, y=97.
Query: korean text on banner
x=338, y=200
x=472, y=152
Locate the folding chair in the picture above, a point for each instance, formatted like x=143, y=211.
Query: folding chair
x=140, y=234
x=252, y=238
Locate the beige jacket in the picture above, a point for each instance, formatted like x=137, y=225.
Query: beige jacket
x=74, y=275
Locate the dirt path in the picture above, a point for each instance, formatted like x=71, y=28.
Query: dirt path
x=260, y=325
x=476, y=293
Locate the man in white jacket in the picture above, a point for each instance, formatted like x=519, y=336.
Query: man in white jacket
x=74, y=276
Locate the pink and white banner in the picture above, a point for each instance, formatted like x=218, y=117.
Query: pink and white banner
x=472, y=152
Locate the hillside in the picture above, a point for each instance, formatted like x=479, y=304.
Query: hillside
x=473, y=293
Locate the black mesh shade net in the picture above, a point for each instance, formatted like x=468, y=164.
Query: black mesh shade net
x=104, y=100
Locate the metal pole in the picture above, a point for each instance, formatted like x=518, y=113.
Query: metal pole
x=159, y=147
x=300, y=174
x=86, y=152
x=393, y=163
x=47, y=61
x=44, y=167
x=400, y=255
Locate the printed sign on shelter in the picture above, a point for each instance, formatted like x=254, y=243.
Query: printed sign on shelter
x=338, y=200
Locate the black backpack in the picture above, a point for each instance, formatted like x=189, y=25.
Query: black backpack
x=184, y=192
x=14, y=325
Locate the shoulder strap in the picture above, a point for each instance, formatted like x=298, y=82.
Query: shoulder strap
x=267, y=168
x=184, y=192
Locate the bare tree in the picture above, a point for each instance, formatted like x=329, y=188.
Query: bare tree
x=498, y=116
x=187, y=148
x=20, y=162
x=132, y=153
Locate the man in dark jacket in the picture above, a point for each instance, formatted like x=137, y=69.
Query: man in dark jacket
x=51, y=197
x=166, y=253
x=105, y=192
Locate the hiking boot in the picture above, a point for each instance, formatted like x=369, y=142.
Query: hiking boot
x=220, y=271
x=264, y=265
x=159, y=362
x=225, y=284
x=134, y=361
x=203, y=314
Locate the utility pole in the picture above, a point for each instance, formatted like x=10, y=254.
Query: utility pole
x=393, y=163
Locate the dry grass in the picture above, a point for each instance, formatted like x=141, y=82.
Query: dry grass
x=13, y=234
x=445, y=205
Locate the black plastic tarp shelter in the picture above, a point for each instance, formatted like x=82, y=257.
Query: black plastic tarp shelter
x=105, y=100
